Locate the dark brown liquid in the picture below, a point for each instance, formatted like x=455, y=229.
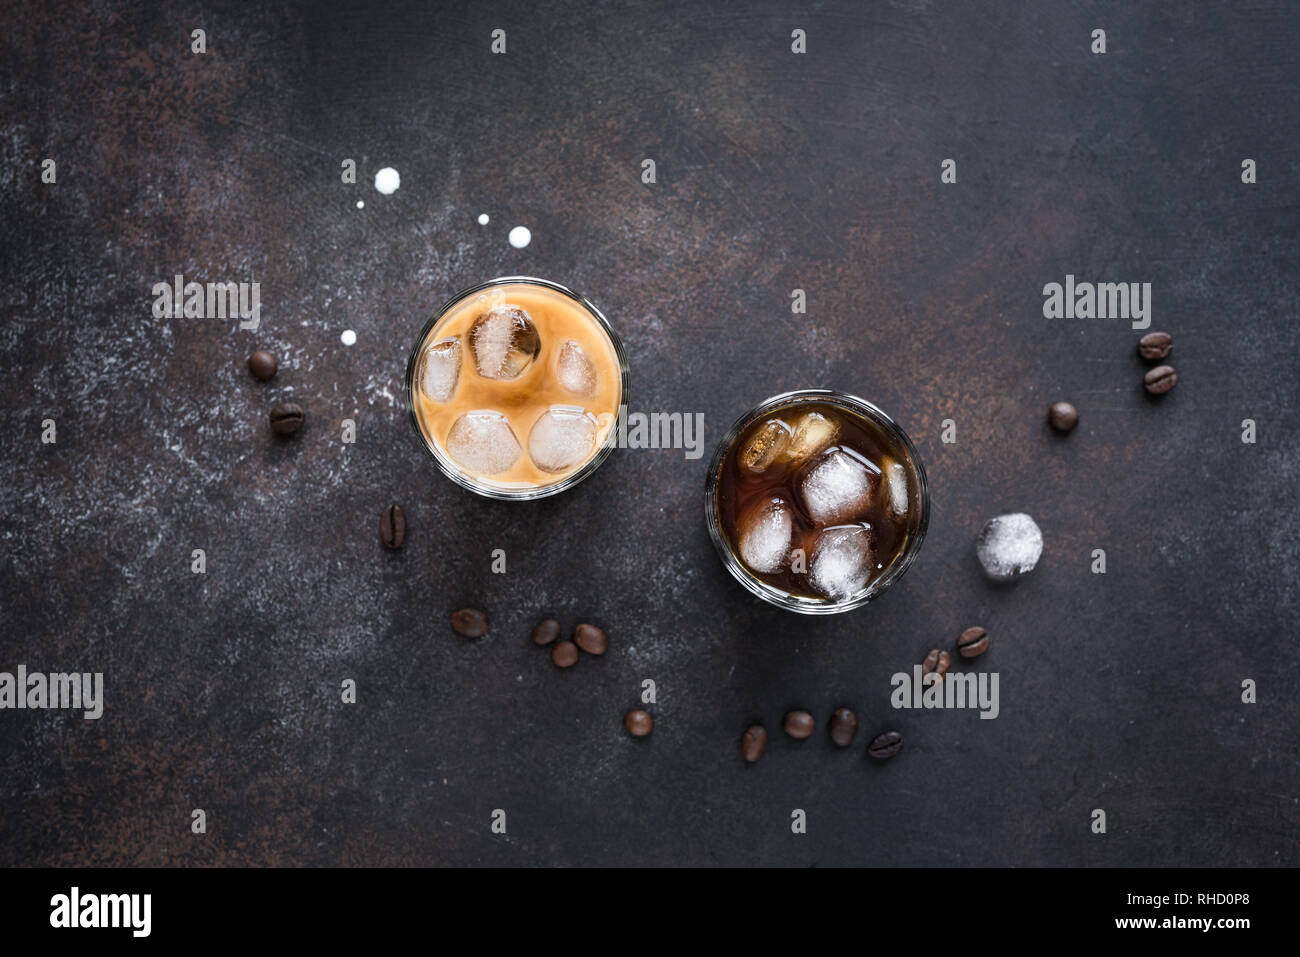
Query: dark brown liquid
x=740, y=489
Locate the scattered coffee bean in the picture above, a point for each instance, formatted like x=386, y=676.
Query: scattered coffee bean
x=1160, y=380
x=591, y=639
x=1155, y=345
x=799, y=724
x=564, y=654
x=753, y=743
x=286, y=418
x=469, y=623
x=886, y=745
x=973, y=642
x=638, y=723
x=262, y=364
x=843, y=727
x=1063, y=417
x=392, y=526
x=546, y=632
x=936, y=661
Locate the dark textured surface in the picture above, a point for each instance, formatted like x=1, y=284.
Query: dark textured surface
x=1118, y=691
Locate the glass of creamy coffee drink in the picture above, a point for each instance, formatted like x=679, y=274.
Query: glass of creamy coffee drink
x=515, y=386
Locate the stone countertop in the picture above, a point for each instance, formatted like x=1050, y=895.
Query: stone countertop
x=775, y=171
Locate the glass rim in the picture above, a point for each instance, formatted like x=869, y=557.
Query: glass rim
x=770, y=593
x=453, y=471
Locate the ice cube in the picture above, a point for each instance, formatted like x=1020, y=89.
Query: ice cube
x=483, y=443
x=895, y=477
x=764, y=533
x=1009, y=546
x=769, y=441
x=562, y=437
x=812, y=433
x=839, y=486
x=441, y=369
x=840, y=565
x=504, y=342
x=574, y=370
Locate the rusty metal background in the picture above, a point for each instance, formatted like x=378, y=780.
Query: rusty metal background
x=776, y=171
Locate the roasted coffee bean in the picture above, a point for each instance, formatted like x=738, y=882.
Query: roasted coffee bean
x=799, y=724
x=469, y=623
x=753, y=743
x=546, y=632
x=843, y=726
x=638, y=723
x=392, y=526
x=973, y=642
x=286, y=418
x=936, y=661
x=886, y=745
x=1063, y=417
x=1160, y=380
x=564, y=654
x=590, y=639
x=262, y=364
x=1155, y=345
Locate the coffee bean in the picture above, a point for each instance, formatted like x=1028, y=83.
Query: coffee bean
x=590, y=639
x=1155, y=345
x=638, y=723
x=546, y=632
x=469, y=623
x=262, y=364
x=753, y=743
x=936, y=661
x=973, y=642
x=843, y=726
x=392, y=526
x=1063, y=417
x=1160, y=380
x=886, y=745
x=564, y=654
x=286, y=418
x=799, y=724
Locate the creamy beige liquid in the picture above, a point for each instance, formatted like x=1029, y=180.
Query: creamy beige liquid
x=523, y=400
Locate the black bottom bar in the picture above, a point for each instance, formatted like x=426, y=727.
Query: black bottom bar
x=332, y=907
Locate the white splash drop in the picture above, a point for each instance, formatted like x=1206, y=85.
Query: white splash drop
x=483, y=219
x=520, y=237
x=361, y=204
x=387, y=180
x=349, y=337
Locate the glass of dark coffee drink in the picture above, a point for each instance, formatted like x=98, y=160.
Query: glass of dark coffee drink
x=817, y=501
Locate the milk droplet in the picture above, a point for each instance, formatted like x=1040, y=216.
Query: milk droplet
x=361, y=204
x=349, y=337
x=520, y=237
x=483, y=219
x=387, y=180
